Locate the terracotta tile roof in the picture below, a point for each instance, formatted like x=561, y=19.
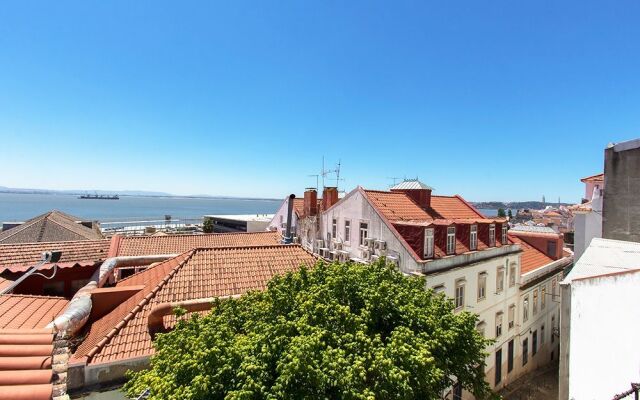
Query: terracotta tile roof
x=397, y=206
x=20, y=255
x=49, y=227
x=200, y=273
x=26, y=357
x=450, y=207
x=531, y=258
x=170, y=244
x=593, y=178
x=29, y=312
x=5, y=281
x=298, y=206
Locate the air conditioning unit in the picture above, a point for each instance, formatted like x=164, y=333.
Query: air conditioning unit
x=324, y=253
x=333, y=255
x=380, y=245
x=337, y=245
x=296, y=240
x=365, y=254
x=369, y=242
x=393, y=260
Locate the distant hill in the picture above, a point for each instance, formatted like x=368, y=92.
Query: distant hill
x=4, y=189
x=515, y=205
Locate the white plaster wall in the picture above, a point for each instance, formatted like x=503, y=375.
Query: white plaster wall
x=356, y=209
x=587, y=226
x=604, y=357
x=282, y=212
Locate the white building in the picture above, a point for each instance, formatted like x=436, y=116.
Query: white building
x=600, y=322
x=462, y=253
x=588, y=216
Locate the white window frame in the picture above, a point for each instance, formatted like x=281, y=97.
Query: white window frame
x=459, y=294
x=334, y=227
x=362, y=231
x=504, y=235
x=512, y=316
x=451, y=240
x=492, y=235
x=525, y=309
x=347, y=230
x=535, y=301
x=543, y=294
x=498, y=324
x=473, y=237
x=428, y=243
x=512, y=275
x=482, y=285
x=500, y=280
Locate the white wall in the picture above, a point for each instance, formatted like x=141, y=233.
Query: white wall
x=604, y=357
x=281, y=215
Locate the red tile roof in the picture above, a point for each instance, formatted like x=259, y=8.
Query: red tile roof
x=51, y=226
x=18, y=256
x=397, y=206
x=450, y=207
x=170, y=244
x=593, y=178
x=26, y=357
x=531, y=258
x=29, y=312
x=298, y=206
x=200, y=273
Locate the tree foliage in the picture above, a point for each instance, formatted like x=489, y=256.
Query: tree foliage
x=335, y=331
x=501, y=213
x=207, y=225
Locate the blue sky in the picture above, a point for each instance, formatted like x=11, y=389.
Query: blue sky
x=495, y=100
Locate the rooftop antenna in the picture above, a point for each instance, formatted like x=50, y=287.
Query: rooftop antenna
x=317, y=180
x=395, y=180
x=338, y=175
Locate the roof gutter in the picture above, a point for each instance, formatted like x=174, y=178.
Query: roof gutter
x=77, y=312
x=158, y=312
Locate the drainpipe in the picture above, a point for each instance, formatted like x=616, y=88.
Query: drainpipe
x=77, y=312
x=288, y=237
x=158, y=312
x=47, y=257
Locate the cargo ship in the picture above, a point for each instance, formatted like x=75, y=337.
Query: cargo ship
x=99, y=197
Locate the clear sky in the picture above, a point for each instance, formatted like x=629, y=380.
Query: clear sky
x=494, y=100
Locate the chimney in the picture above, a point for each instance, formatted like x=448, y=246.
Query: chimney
x=310, y=202
x=421, y=196
x=288, y=236
x=329, y=197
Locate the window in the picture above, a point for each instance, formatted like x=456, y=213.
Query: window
x=525, y=351
x=512, y=315
x=554, y=287
x=525, y=309
x=543, y=293
x=334, y=228
x=347, y=230
x=510, y=356
x=541, y=335
x=473, y=238
x=504, y=234
x=535, y=301
x=499, y=324
x=500, y=280
x=364, y=232
x=481, y=327
x=512, y=275
x=451, y=240
x=482, y=286
x=428, y=243
x=534, y=344
x=492, y=235
x=498, y=366
x=553, y=325
x=551, y=248
x=459, y=297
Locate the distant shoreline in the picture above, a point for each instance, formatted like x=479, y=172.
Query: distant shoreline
x=124, y=194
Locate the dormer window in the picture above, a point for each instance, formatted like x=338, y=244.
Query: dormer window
x=492, y=235
x=504, y=234
x=428, y=243
x=473, y=238
x=451, y=240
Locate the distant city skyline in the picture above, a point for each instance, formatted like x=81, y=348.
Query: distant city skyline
x=493, y=101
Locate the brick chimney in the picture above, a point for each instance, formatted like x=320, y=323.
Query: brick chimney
x=329, y=197
x=421, y=196
x=310, y=202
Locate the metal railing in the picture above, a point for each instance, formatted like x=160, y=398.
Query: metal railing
x=142, y=225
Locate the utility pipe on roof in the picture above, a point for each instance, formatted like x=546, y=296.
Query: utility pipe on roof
x=158, y=312
x=77, y=312
x=288, y=236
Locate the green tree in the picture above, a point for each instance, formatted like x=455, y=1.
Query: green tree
x=509, y=214
x=501, y=213
x=207, y=225
x=335, y=331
